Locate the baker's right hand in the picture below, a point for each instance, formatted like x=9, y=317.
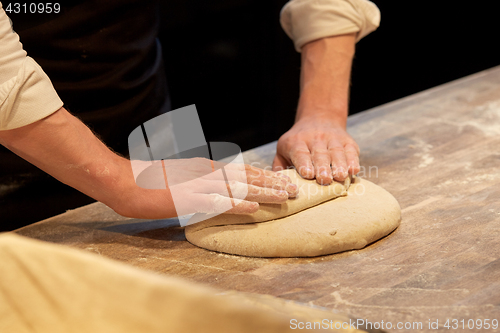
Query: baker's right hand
x=200, y=185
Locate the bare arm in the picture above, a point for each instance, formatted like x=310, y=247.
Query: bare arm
x=64, y=147
x=318, y=144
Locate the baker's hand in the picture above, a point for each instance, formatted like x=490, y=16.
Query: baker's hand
x=200, y=185
x=318, y=148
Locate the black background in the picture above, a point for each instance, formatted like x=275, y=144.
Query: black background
x=232, y=59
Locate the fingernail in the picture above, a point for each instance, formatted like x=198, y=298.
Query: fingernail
x=282, y=194
x=341, y=172
x=292, y=190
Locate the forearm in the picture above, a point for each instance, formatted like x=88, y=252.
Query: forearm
x=64, y=147
x=318, y=144
x=325, y=77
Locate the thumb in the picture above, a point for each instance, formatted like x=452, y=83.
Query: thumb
x=279, y=163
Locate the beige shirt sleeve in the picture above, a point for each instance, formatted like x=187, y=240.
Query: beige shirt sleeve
x=308, y=20
x=26, y=93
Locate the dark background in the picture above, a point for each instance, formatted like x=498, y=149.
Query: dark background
x=232, y=59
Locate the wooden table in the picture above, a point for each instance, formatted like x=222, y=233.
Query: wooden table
x=437, y=152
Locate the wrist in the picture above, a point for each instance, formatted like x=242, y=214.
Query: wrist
x=335, y=116
x=118, y=192
x=325, y=75
x=128, y=199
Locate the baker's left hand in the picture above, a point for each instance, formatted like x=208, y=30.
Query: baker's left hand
x=318, y=147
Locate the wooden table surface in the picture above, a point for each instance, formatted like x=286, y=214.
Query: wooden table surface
x=437, y=152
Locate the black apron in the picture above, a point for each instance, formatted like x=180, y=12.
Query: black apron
x=104, y=60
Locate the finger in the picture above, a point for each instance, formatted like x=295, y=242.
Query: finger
x=241, y=191
x=217, y=204
x=228, y=189
x=301, y=159
x=256, y=177
x=233, y=170
x=266, y=195
x=278, y=174
x=352, y=158
x=270, y=179
x=321, y=161
x=339, y=164
x=279, y=163
x=227, y=171
x=243, y=207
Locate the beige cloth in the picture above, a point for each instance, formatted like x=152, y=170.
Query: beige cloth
x=26, y=93
x=48, y=288
x=308, y=20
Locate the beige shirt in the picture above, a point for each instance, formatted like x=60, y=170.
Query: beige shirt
x=308, y=20
x=27, y=95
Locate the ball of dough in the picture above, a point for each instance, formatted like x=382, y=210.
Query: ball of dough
x=366, y=214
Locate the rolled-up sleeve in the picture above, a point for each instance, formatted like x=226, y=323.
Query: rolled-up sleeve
x=26, y=93
x=308, y=20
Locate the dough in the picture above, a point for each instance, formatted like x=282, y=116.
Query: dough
x=310, y=194
x=366, y=214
